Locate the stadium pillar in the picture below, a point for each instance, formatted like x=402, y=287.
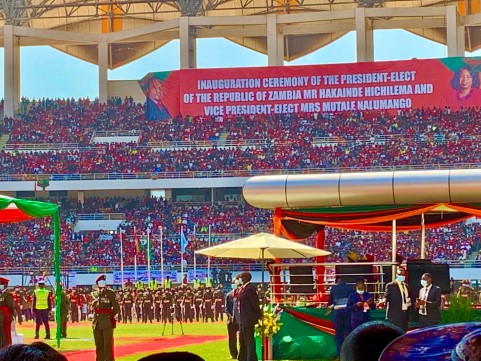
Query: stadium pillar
x=11, y=71
x=188, y=50
x=364, y=37
x=103, y=62
x=454, y=32
x=275, y=42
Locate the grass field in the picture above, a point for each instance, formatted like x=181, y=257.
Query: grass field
x=80, y=338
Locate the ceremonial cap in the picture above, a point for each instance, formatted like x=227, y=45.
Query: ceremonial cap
x=101, y=278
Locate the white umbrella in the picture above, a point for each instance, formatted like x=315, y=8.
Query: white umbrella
x=262, y=246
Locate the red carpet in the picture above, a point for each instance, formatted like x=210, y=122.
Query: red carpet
x=155, y=345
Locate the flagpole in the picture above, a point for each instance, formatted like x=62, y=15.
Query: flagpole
x=208, y=258
x=181, y=254
x=161, y=254
x=195, y=258
x=148, y=256
x=121, y=258
x=135, y=255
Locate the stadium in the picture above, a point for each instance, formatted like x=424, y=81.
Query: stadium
x=153, y=170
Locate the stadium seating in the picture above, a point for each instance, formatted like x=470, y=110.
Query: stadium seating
x=420, y=137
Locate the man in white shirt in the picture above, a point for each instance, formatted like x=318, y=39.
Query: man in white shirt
x=429, y=302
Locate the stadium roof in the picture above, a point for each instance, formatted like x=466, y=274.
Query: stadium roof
x=304, y=36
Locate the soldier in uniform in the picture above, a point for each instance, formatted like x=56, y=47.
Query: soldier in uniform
x=466, y=291
x=26, y=305
x=158, y=305
x=208, y=305
x=167, y=301
x=7, y=310
x=178, y=300
x=120, y=299
x=219, y=301
x=64, y=309
x=138, y=305
x=18, y=298
x=147, y=302
x=82, y=302
x=188, y=305
x=128, y=303
x=105, y=307
x=74, y=306
x=198, y=302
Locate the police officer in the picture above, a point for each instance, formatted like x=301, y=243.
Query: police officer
x=42, y=306
x=7, y=309
x=167, y=283
x=139, y=285
x=105, y=308
x=153, y=284
x=196, y=282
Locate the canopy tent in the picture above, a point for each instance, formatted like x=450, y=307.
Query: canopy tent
x=301, y=223
x=19, y=210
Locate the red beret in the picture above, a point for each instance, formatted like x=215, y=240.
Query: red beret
x=4, y=281
x=100, y=278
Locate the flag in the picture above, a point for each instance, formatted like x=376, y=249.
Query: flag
x=183, y=241
x=136, y=242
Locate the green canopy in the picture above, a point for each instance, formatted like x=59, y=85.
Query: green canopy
x=19, y=210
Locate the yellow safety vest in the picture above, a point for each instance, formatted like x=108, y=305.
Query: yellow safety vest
x=153, y=284
x=167, y=283
x=208, y=282
x=196, y=283
x=139, y=285
x=41, y=296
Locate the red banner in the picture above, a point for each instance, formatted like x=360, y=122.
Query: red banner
x=452, y=82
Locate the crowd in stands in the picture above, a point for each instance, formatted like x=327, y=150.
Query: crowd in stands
x=30, y=244
x=287, y=141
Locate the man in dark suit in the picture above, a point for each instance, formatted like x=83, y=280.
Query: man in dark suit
x=429, y=302
x=249, y=315
x=398, y=301
x=232, y=326
x=338, y=296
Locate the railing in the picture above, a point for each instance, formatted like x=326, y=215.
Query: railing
x=109, y=269
x=288, y=289
x=224, y=173
x=233, y=143
x=39, y=146
x=117, y=133
x=229, y=143
x=468, y=263
x=384, y=138
x=101, y=216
